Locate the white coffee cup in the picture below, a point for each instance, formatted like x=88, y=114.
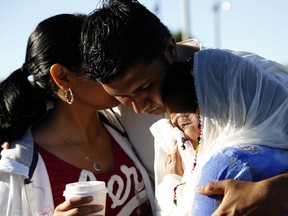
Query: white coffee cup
x=97, y=189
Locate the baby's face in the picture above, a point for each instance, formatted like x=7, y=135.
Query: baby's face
x=188, y=124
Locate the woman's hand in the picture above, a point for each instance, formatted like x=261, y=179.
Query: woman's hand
x=267, y=197
x=173, y=163
x=75, y=206
x=5, y=145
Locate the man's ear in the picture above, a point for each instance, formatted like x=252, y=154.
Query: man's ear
x=60, y=76
x=171, y=50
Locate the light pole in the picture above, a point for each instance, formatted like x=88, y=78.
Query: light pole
x=156, y=7
x=217, y=7
x=186, y=20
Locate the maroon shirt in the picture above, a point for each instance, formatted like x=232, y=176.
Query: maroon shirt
x=126, y=191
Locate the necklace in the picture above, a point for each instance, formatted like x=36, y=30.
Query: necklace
x=96, y=166
x=195, y=158
x=198, y=140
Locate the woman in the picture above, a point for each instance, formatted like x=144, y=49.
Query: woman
x=50, y=115
x=235, y=117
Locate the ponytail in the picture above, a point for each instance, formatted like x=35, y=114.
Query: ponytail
x=23, y=102
x=21, y=105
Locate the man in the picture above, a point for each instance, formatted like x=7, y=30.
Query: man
x=128, y=50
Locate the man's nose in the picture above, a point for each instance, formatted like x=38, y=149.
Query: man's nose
x=139, y=103
x=138, y=108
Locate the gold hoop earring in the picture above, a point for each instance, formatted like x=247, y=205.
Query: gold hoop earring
x=69, y=96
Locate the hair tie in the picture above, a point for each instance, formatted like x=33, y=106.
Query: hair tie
x=24, y=69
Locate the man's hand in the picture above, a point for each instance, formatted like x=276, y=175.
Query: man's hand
x=267, y=197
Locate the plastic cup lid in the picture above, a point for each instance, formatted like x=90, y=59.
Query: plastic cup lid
x=85, y=188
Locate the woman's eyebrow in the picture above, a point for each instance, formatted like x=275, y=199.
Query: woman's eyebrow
x=176, y=117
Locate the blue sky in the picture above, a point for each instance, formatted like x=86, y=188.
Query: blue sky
x=258, y=26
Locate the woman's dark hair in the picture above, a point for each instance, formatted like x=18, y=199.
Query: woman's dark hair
x=120, y=35
x=24, y=101
x=178, y=89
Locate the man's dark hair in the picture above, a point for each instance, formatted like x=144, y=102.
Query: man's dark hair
x=178, y=89
x=119, y=35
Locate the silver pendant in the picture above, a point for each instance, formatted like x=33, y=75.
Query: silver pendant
x=96, y=166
